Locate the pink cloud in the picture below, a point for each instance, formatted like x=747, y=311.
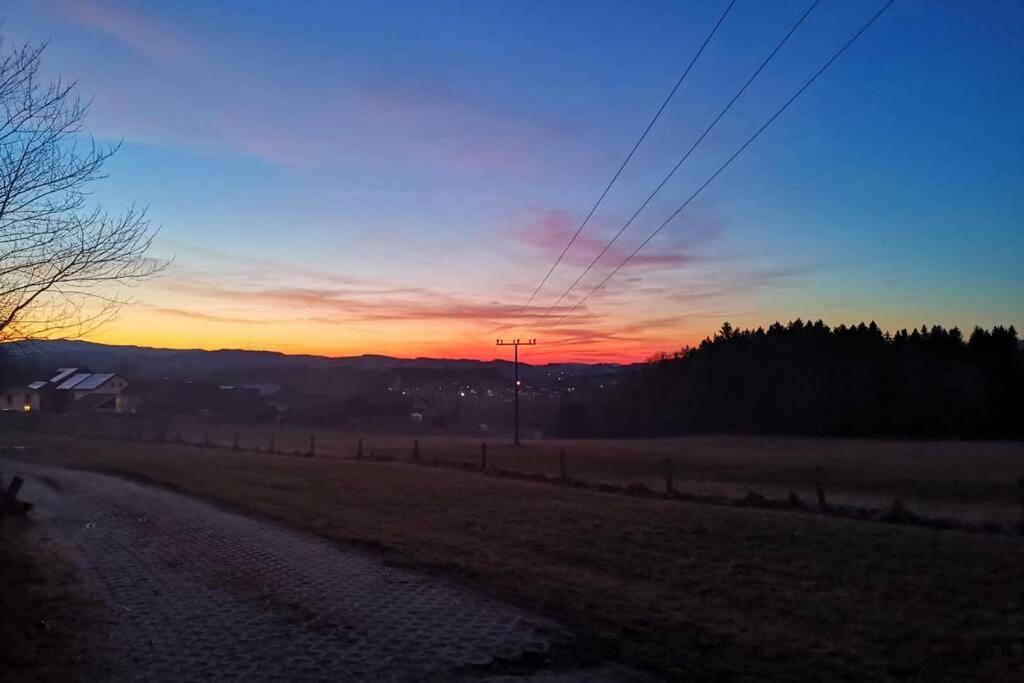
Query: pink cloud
x=441, y=126
x=552, y=229
x=332, y=303
x=141, y=33
x=384, y=124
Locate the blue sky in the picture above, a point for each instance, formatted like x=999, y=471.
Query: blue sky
x=397, y=177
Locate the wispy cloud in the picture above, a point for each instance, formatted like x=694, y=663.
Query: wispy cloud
x=257, y=289
x=144, y=34
x=249, y=293
x=441, y=126
x=192, y=314
x=549, y=230
x=209, y=99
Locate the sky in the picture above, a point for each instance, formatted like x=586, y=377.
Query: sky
x=342, y=178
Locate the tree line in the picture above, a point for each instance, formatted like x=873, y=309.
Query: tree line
x=809, y=378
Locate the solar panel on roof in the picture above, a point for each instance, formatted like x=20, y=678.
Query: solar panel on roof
x=73, y=381
x=62, y=374
x=93, y=381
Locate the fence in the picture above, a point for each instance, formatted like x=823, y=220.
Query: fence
x=555, y=464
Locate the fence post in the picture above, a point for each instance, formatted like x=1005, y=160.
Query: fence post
x=312, y=445
x=359, y=449
x=1020, y=486
x=483, y=456
x=415, y=449
x=561, y=464
x=670, y=488
x=272, y=445
x=822, y=503
x=206, y=437
x=235, y=444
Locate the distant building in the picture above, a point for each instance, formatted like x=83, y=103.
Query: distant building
x=15, y=398
x=70, y=389
x=247, y=403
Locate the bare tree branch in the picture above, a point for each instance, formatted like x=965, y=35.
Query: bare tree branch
x=61, y=263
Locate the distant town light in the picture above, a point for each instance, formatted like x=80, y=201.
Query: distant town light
x=519, y=382
x=462, y=394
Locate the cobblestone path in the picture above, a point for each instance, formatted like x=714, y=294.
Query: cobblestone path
x=198, y=593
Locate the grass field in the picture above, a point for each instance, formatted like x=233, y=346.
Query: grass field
x=49, y=629
x=968, y=480
x=691, y=590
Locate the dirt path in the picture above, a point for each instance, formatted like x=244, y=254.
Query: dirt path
x=198, y=593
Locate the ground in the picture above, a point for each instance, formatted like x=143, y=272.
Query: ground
x=683, y=589
x=50, y=626
x=198, y=593
x=969, y=480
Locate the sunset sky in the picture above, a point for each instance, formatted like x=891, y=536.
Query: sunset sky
x=386, y=177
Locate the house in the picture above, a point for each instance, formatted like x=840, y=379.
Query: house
x=82, y=384
x=70, y=389
x=15, y=398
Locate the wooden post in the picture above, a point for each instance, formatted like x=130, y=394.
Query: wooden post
x=415, y=449
x=561, y=464
x=483, y=456
x=272, y=445
x=670, y=488
x=1020, y=486
x=206, y=438
x=312, y=445
x=359, y=449
x=820, y=488
x=9, y=502
x=235, y=444
x=14, y=487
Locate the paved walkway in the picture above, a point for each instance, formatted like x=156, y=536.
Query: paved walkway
x=198, y=593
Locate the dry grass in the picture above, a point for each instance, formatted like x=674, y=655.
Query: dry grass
x=688, y=589
x=49, y=630
x=969, y=480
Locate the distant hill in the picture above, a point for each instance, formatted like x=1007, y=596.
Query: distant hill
x=155, y=362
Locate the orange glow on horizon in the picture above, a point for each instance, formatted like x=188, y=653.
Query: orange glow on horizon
x=399, y=339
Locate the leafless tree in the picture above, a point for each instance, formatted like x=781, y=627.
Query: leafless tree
x=61, y=260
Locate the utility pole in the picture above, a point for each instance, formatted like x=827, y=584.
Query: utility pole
x=516, y=344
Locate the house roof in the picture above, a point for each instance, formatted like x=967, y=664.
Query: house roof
x=72, y=381
x=93, y=381
x=62, y=374
x=78, y=379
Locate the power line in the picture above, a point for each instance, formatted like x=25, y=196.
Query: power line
x=681, y=161
x=622, y=166
x=730, y=159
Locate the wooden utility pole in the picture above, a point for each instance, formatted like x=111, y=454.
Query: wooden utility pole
x=516, y=343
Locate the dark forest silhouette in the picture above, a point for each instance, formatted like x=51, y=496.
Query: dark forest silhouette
x=808, y=378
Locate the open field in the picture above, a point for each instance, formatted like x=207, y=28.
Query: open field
x=975, y=481
x=690, y=590
x=49, y=630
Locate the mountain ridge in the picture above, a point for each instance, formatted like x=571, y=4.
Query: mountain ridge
x=96, y=352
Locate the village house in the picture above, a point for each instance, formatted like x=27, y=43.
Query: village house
x=70, y=389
